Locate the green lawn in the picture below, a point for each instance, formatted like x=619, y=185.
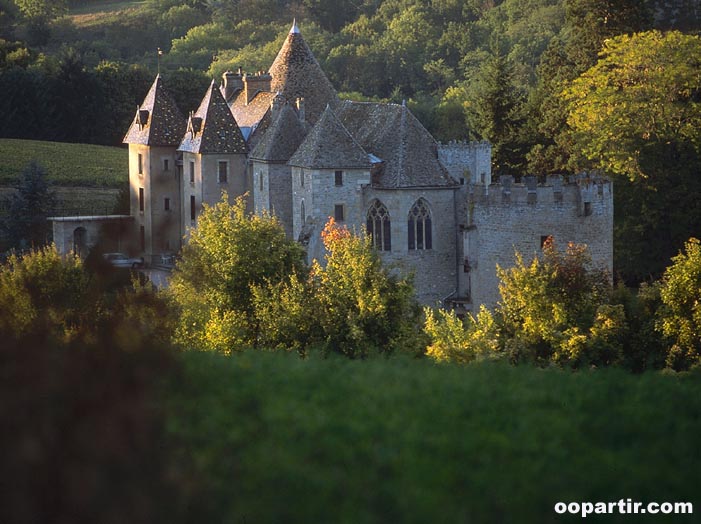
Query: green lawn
x=272, y=438
x=71, y=165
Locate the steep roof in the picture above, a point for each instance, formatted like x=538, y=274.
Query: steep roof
x=296, y=73
x=282, y=139
x=212, y=128
x=329, y=145
x=250, y=114
x=392, y=133
x=158, y=121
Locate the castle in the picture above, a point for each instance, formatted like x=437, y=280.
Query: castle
x=284, y=138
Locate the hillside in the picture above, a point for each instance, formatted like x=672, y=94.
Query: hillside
x=68, y=165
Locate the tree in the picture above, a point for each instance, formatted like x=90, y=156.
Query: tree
x=643, y=95
x=228, y=253
x=588, y=24
x=42, y=9
x=680, y=316
x=352, y=305
x=557, y=309
x=494, y=113
x=637, y=114
x=26, y=224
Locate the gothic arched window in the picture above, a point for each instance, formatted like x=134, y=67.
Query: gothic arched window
x=420, y=226
x=378, y=226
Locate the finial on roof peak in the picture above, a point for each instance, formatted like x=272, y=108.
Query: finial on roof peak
x=294, y=28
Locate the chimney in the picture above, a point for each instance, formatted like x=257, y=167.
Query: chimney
x=252, y=84
x=299, y=103
x=232, y=83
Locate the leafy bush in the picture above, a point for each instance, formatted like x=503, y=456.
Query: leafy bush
x=452, y=341
x=680, y=316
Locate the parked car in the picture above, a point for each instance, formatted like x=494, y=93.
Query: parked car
x=121, y=260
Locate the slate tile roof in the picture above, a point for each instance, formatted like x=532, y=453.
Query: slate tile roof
x=282, y=139
x=394, y=135
x=158, y=121
x=212, y=128
x=329, y=145
x=296, y=73
x=249, y=115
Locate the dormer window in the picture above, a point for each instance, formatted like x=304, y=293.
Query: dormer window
x=142, y=118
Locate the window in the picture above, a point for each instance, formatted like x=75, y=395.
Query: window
x=338, y=178
x=378, y=226
x=166, y=204
x=192, y=172
x=142, y=238
x=166, y=164
x=338, y=212
x=193, y=211
x=303, y=215
x=260, y=181
x=141, y=163
x=587, y=209
x=420, y=226
x=141, y=199
x=223, y=172
x=301, y=178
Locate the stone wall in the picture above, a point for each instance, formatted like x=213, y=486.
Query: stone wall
x=272, y=191
x=508, y=217
x=434, y=270
x=475, y=157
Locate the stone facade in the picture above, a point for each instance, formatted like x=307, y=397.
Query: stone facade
x=505, y=218
x=283, y=137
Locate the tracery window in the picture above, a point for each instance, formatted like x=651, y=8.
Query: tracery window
x=420, y=234
x=378, y=226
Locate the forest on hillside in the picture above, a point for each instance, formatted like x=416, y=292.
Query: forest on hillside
x=519, y=73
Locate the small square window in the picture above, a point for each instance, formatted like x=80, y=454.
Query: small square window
x=166, y=164
x=223, y=172
x=338, y=214
x=587, y=209
x=338, y=178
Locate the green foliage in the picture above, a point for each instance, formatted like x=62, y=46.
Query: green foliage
x=66, y=164
x=284, y=439
x=29, y=207
x=452, y=341
x=555, y=309
x=352, y=305
x=364, y=307
x=227, y=254
x=42, y=9
x=43, y=286
x=640, y=96
x=680, y=316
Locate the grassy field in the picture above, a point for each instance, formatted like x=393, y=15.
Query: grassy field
x=272, y=438
x=94, y=14
x=67, y=164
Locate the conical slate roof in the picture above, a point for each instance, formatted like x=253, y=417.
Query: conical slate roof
x=392, y=133
x=158, y=121
x=212, y=128
x=282, y=139
x=296, y=73
x=329, y=145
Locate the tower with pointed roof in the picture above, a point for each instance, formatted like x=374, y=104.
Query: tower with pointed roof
x=153, y=139
x=214, y=157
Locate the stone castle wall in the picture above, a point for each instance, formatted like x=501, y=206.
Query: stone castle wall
x=506, y=218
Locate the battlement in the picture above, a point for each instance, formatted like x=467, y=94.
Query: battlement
x=582, y=189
